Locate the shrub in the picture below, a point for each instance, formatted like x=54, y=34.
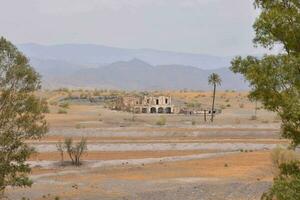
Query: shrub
x=161, y=121
x=193, y=122
x=64, y=105
x=222, y=107
x=286, y=185
x=75, y=150
x=281, y=156
x=79, y=126
x=62, y=111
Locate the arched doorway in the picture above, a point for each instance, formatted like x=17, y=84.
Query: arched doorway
x=137, y=110
x=153, y=110
x=160, y=110
x=144, y=110
x=168, y=110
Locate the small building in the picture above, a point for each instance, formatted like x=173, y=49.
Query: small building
x=146, y=104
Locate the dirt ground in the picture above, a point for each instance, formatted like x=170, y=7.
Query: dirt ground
x=130, y=157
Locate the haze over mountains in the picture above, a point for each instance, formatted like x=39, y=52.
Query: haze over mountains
x=97, y=66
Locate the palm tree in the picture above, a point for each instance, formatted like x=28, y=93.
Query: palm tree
x=214, y=79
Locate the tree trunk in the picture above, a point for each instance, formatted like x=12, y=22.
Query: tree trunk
x=213, y=104
x=205, y=115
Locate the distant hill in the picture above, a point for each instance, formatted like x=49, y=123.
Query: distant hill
x=95, y=66
x=98, y=54
x=139, y=75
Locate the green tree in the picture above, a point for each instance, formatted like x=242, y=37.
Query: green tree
x=214, y=79
x=21, y=115
x=275, y=79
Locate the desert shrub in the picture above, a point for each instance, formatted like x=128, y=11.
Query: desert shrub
x=286, y=185
x=228, y=105
x=281, y=156
x=62, y=111
x=75, y=150
x=79, y=126
x=242, y=105
x=227, y=100
x=64, y=105
x=161, y=121
x=222, y=107
x=193, y=122
x=265, y=121
x=57, y=198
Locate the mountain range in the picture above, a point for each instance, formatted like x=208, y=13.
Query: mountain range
x=97, y=66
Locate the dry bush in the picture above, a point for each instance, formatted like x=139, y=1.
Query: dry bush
x=79, y=126
x=280, y=156
x=75, y=150
x=62, y=111
x=64, y=105
x=161, y=121
x=193, y=122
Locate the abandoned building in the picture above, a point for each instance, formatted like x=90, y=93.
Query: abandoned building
x=146, y=104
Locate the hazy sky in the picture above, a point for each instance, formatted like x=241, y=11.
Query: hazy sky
x=217, y=27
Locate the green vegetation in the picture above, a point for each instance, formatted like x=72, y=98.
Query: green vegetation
x=275, y=78
x=21, y=115
x=75, y=150
x=64, y=105
x=275, y=82
x=62, y=111
x=287, y=185
x=161, y=121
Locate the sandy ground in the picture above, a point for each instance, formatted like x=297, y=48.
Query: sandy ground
x=130, y=157
x=227, y=176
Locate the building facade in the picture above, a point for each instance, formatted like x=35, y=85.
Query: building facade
x=147, y=104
